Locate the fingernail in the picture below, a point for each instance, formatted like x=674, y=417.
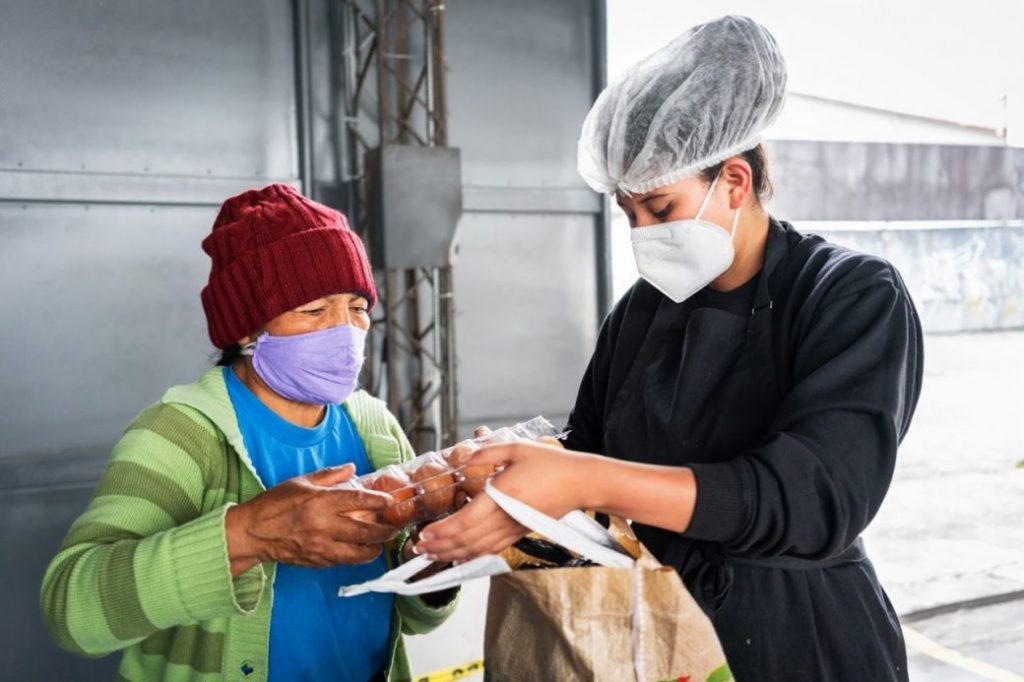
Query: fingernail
x=415, y=549
x=432, y=557
x=427, y=536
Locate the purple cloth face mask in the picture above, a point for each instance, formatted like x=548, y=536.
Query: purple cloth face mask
x=317, y=368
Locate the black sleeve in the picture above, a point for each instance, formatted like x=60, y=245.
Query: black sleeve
x=820, y=476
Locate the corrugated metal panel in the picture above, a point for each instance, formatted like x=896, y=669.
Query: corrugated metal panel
x=526, y=280
x=164, y=88
x=124, y=123
x=519, y=88
x=107, y=316
x=526, y=322
x=35, y=521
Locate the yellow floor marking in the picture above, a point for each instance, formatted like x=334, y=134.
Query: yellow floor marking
x=932, y=648
x=457, y=672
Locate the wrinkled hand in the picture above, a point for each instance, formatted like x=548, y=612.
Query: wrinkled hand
x=305, y=522
x=546, y=477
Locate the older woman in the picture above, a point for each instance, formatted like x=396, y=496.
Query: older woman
x=215, y=544
x=746, y=398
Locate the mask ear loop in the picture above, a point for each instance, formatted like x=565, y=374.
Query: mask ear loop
x=735, y=222
x=250, y=348
x=707, y=197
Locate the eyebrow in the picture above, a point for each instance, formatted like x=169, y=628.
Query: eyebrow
x=652, y=197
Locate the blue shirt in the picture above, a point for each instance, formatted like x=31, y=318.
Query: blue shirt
x=314, y=633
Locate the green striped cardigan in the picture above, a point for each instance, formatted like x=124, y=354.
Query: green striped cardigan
x=145, y=569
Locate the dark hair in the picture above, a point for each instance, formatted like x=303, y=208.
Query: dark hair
x=229, y=355
x=758, y=160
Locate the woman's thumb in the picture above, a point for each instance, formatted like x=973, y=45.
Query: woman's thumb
x=330, y=476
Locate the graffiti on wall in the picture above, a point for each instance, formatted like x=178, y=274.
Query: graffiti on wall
x=961, y=279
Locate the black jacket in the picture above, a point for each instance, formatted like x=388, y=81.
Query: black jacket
x=787, y=476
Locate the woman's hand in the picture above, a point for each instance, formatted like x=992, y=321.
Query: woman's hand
x=557, y=481
x=546, y=477
x=306, y=522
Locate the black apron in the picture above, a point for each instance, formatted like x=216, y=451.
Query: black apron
x=703, y=388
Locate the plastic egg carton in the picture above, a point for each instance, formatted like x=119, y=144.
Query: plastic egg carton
x=436, y=484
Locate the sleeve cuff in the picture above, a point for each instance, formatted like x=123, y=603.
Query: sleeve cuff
x=418, y=618
x=724, y=502
x=200, y=556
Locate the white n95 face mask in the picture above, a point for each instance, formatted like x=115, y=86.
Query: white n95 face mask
x=682, y=257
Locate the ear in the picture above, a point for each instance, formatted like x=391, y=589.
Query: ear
x=251, y=338
x=739, y=178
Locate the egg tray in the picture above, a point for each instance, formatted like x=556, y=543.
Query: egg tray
x=436, y=484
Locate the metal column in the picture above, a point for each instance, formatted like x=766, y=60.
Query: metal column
x=412, y=359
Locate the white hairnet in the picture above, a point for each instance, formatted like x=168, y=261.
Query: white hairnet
x=702, y=98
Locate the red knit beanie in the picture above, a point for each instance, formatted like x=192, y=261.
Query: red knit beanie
x=274, y=250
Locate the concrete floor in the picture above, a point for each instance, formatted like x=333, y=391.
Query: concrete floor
x=950, y=530
x=952, y=525
x=985, y=643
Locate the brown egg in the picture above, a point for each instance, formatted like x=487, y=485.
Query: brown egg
x=437, y=483
x=475, y=479
x=402, y=511
x=459, y=453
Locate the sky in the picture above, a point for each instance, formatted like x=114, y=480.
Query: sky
x=952, y=60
